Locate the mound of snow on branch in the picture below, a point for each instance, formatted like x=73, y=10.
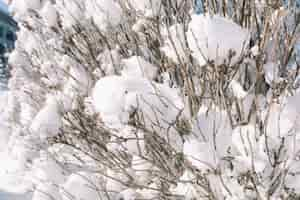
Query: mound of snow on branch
x=212, y=38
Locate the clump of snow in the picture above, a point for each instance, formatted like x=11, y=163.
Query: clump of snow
x=47, y=122
x=113, y=184
x=4, y=137
x=111, y=62
x=200, y=154
x=12, y=173
x=255, y=50
x=104, y=13
x=46, y=169
x=109, y=99
x=20, y=7
x=139, y=25
x=16, y=59
x=149, y=7
x=249, y=146
x=210, y=141
x=185, y=189
x=33, y=42
x=5, y=129
x=46, y=191
x=81, y=186
x=237, y=89
x=71, y=12
x=134, y=144
x=129, y=194
x=271, y=73
x=142, y=169
x=175, y=46
x=115, y=97
x=137, y=66
x=151, y=193
x=293, y=178
x=79, y=80
x=211, y=38
x=244, y=138
x=49, y=14
x=53, y=75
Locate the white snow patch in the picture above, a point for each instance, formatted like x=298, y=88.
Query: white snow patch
x=47, y=122
x=137, y=66
x=212, y=39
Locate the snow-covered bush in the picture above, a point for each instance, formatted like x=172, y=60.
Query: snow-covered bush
x=146, y=99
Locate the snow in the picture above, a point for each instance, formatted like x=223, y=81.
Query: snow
x=244, y=139
x=137, y=66
x=46, y=169
x=150, y=193
x=14, y=196
x=12, y=183
x=70, y=11
x=81, y=186
x=200, y=154
x=206, y=39
x=142, y=169
x=4, y=130
x=237, y=89
x=135, y=144
x=186, y=190
x=130, y=103
x=283, y=119
x=149, y=7
x=104, y=13
x=129, y=194
x=109, y=98
x=115, y=97
x=46, y=192
x=112, y=184
x=49, y=14
x=79, y=81
x=292, y=179
x=175, y=46
x=271, y=73
x=22, y=6
x=32, y=4
x=16, y=59
x=32, y=43
x=111, y=62
x=4, y=127
x=47, y=122
x=255, y=50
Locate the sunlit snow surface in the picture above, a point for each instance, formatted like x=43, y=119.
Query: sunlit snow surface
x=13, y=196
x=11, y=187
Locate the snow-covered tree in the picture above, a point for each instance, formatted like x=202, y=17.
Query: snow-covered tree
x=148, y=99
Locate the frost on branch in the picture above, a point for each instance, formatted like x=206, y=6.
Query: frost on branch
x=145, y=99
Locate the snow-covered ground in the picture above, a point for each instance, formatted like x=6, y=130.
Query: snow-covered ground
x=8, y=182
x=10, y=186
x=13, y=196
